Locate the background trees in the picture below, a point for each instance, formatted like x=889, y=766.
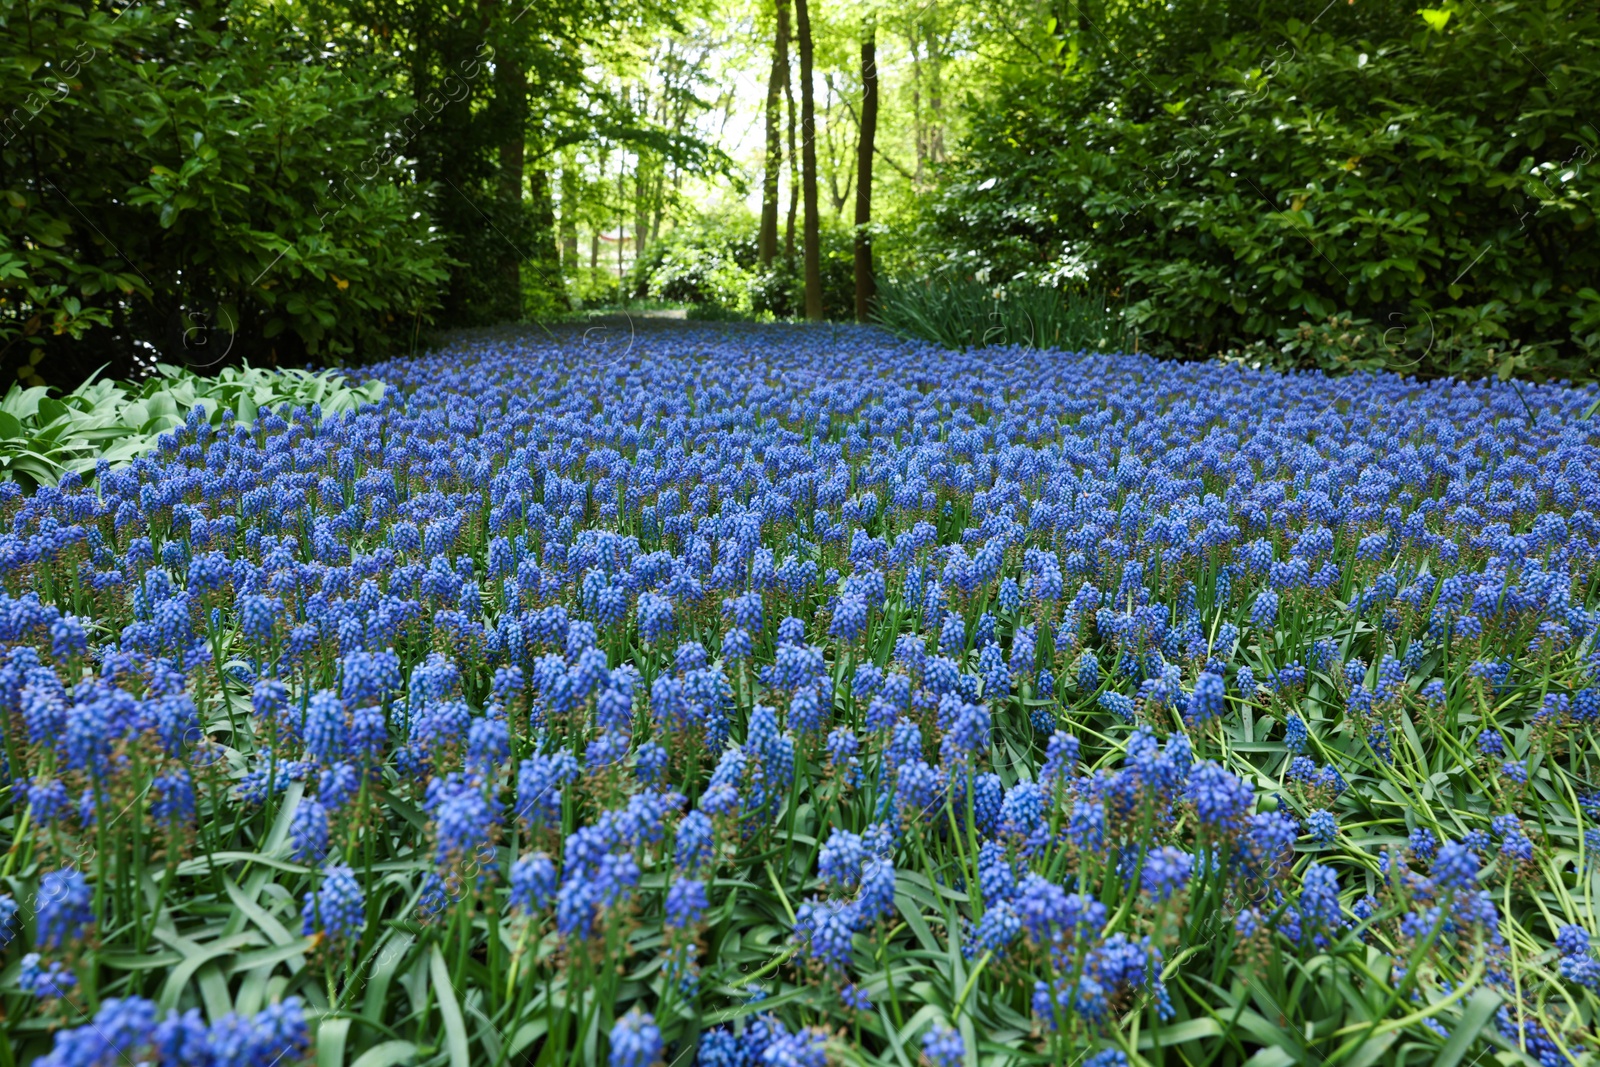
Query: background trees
x=1367, y=185
x=224, y=179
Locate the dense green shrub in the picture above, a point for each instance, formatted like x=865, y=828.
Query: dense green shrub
x=1241, y=176
x=232, y=199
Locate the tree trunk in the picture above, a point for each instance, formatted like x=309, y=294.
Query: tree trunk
x=866, y=285
x=512, y=91
x=569, y=218
x=794, y=170
x=546, y=258
x=808, y=165
x=769, y=185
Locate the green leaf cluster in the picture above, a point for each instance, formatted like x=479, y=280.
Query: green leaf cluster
x=42, y=437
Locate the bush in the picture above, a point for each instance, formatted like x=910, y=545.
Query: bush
x=258, y=215
x=713, y=260
x=1409, y=172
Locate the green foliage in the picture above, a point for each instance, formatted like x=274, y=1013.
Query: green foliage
x=1243, y=175
x=964, y=313
x=44, y=437
x=207, y=203
x=707, y=262
x=713, y=261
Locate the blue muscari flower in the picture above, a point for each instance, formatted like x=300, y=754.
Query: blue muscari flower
x=876, y=898
x=791, y=631
x=696, y=842
x=824, y=929
x=967, y=734
x=1023, y=808
x=1061, y=757
x=650, y=764
x=656, y=617
x=1322, y=826
x=686, y=903
x=120, y=1031
x=539, y=782
x=1320, y=914
x=45, y=980
x=64, y=907
x=1456, y=867
x=337, y=909
x=719, y=1047
x=1111, y=1057
x=1422, y=843
x=849, y=618
x=308, y=831
x=1088, y=676
x=737, y=645
x=806, y=1048
x=943, y=1047
x=47, y=797
x=1572, y=940
x=1119, y=704
x=1264, y=612
x=1220, y=798
x=1166, y=871
x=533, y=882
x=1010, y=596
x=635, y=1041
x=1295, y=734
x=1206, y=702
x=851, y=996
x=327, y=728
x=8, y=913
x=839, y=862
x=68, y=637
x=952, y=636
x=464, y=824
x=1086, y=826
x=994, y=672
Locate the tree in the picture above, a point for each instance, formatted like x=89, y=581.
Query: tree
x=776, y=82
x=808, y=165
x=865, y=286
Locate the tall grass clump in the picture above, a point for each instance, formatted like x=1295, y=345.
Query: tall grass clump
x=963, y=313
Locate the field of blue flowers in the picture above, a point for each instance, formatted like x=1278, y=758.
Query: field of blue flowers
x=779, y=696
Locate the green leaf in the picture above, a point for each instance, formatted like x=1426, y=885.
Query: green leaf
x=455, y=1027
x=388, y=1054
x=1435, y=17
x=1479, y=1010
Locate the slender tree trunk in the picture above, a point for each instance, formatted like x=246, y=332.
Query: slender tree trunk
x=808, y=164
x=546, y=240
x=794, y=169
x=622, y=227
x=866, y=284
x=779, y=77
x=512, y=91
x=935, y=92
x=569, y=218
